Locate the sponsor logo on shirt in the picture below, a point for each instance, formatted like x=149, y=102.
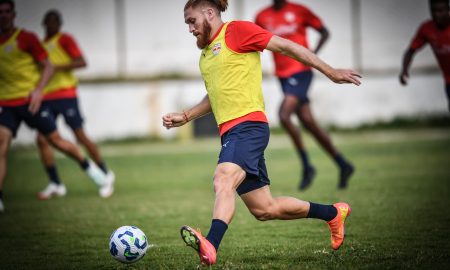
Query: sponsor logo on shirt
x=284, y=29
x=216, y=48
x=289, y=16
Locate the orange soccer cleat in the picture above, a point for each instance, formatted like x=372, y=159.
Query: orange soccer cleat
x=336, y=225
x=206, y=251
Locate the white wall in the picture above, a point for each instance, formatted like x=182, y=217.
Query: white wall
x=157, y=40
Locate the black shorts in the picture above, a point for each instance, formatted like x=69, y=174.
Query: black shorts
x=69, y=109
x=244, y=145
x=297, y=85
x=12, y=116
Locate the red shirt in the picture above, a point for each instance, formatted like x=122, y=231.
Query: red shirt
x=28, y=42
x=291, y=23
x=439, y=41
x=244, y=37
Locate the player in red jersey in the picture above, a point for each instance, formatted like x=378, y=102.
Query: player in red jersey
x=435, y=32
x=291, y=21
x=24, y=72
x=61, y=97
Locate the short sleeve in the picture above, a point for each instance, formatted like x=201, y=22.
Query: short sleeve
x=32, y=45
x=244, y=37
x=419, y=39
x=69, y=45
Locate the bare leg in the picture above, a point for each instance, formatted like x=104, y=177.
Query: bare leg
x=5, y=141
x=65, y=146
x=305, y=115
x=289, y=105
x=88, y=144
x=264, y=207
x=346, y=169
x=227, y=177
x=45, y=151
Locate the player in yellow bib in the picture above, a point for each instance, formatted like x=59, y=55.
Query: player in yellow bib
x=61, y=98
x=231, y=69
x=24, y=72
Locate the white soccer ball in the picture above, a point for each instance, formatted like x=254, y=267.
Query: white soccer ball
x=128, y=244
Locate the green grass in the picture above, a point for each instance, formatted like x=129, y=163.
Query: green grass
x=400, y=197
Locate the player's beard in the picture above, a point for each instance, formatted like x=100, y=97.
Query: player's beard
x=203, y=41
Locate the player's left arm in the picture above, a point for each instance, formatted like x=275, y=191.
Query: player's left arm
x=76, y=63
x=71, y=48
x=286, y=47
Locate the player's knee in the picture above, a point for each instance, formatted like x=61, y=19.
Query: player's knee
x=285, y=117
x=222, y=183
x=5, y=139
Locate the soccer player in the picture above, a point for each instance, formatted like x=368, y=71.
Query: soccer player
x=24, y=72
x=231, y=69
x=436, y=32
x=61, y=98
x=290, y=21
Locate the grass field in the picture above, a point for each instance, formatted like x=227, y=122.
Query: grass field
x=400, y=197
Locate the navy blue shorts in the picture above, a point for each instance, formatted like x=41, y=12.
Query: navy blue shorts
x=43, y=121
x=244, y=145
x=69, y=109
x=297, y=85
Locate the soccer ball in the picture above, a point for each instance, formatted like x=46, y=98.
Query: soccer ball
x=128, y=244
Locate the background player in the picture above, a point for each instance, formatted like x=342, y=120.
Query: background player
x=436, y=32
x=61, y=98
x=290, y=21
x=24, y=72
x=231, y=68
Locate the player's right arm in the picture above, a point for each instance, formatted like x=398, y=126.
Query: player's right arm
x=40, y=56
x=417, y=43
x=406, y=63
x=178, y=119
x=71, y=47
x=38, y=93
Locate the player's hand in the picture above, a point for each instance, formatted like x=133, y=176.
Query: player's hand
x=345, y=76
x=35, y=101
x=404, y=76
x=171, y=120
